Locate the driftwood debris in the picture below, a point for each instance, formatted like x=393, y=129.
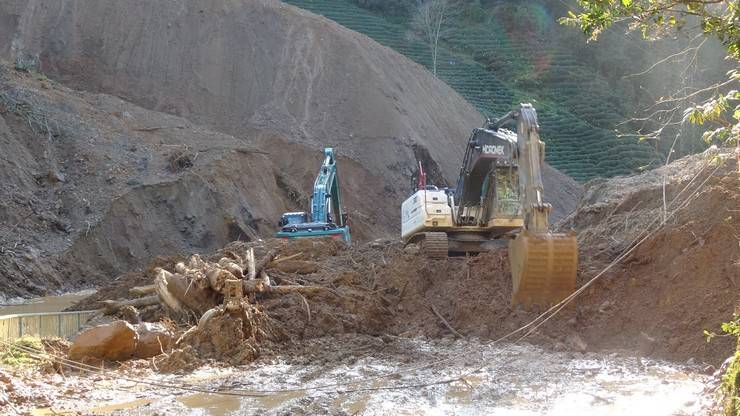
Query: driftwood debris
x=263, y=285
x=447, y=324
x=277, y=261
x=181, y=295
x=112, y=306
x=196, y=285
x=143, y=290
x=264, y=261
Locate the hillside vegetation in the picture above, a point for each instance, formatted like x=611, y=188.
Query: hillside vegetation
x=500, y=53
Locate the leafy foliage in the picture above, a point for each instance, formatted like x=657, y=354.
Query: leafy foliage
x=731, y=379
x=655, y=18
x=14, y=357
x=718, y=105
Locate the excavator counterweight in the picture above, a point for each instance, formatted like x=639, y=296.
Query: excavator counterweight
x=499, y=195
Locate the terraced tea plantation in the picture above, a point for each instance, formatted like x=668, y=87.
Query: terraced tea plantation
x=494, y=67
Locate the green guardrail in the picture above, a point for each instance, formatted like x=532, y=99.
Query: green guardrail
x=47, y=324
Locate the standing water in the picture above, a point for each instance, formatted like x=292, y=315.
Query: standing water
x=44, y=304
x=513, y=379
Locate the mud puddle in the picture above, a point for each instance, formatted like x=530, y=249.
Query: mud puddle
x=43, y=304
x=517, y=380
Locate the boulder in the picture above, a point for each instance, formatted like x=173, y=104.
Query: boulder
x=154, y=338
x=115, y=341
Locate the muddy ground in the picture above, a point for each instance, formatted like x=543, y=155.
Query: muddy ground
x=347, y=374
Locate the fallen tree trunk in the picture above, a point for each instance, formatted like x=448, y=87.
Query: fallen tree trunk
x=263, y=285
x=275, y=262
x=264, y=261
x=112, y=306
x=143, y=290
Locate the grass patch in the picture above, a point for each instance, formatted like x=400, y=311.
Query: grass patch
x=15, y=357
x=731, y=386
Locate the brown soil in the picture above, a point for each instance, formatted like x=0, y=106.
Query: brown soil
x=95, y=187
x=654, y=303
x=684, y=278
x=216, y=144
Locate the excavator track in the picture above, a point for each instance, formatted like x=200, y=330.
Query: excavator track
x=435, y=245
x=543, y=268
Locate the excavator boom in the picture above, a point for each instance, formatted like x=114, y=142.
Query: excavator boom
x=326, y=218
x=543, y=264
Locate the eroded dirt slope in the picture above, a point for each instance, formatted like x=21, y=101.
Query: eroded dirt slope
x=94, y=186
x=685, y=276
x=238, y=65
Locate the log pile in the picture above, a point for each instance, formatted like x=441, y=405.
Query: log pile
x=219, y=303
x=195, y=286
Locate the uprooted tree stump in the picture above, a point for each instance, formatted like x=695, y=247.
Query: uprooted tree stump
x=196, y=286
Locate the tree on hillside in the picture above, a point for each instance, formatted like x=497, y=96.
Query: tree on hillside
x=715, y=106
x=432, y=20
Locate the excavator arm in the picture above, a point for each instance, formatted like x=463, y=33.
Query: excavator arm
x=326, y=218
x=543, y=264
x=326, y=203
x=530, y=157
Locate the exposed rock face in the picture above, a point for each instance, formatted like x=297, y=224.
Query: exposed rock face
x=115, y=342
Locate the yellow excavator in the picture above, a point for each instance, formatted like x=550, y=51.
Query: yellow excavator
x=499, y=195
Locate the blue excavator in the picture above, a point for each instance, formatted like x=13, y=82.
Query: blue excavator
x=326, y=218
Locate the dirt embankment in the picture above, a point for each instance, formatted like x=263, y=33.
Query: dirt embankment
x=94, y=186
x=681, y=280
x=685, y=276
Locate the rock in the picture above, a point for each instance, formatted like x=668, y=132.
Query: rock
x=411, y=249
x=691, y=361
x=604, y=306
x=115, y=341
x=709, y=370
x=575, y=342
x=55, y=176
x=154, y=338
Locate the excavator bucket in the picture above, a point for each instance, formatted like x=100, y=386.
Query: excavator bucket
x=543, y=268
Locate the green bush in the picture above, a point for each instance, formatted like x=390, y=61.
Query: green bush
x=731, y=386
x=15, y=357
